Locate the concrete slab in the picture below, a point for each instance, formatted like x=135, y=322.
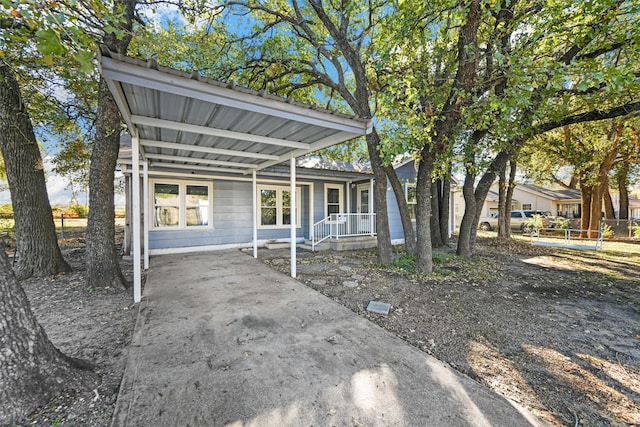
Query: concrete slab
x=223, y=340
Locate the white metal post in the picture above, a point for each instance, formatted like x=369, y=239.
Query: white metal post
x=371, y=211
x=135, y=219
x=254, y=190
x=294, y=215
x=145, y=211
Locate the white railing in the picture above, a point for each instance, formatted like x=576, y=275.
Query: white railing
x=571, y=238
x=337, y=226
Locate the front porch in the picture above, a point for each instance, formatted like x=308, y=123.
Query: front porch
x=345, y=231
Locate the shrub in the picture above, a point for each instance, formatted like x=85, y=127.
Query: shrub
x=79, y=210
x=607, y=231
x=561, y=223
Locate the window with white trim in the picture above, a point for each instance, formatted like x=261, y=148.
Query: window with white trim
x=333, y=200
x=274, y=206
x=527, y=206
x=181, y=205
x=410, y=196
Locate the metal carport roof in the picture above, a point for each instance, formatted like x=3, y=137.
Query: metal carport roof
x=188, y=121
x=183, y=121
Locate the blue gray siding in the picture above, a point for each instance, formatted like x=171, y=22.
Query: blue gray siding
x=232, y=220
x=406, y=174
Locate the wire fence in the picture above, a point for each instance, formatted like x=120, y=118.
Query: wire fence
x=620, y=228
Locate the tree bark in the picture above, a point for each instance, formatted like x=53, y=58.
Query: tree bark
x=586, y=195
x=424, y=263
x=445, y=200
x=32, y=369
x=385, y=250
x=102, y=260
x=465, y=248
x=37, y=248
x=475, y=199
x=624, y=192
x=434, y=219
x=513, y=165
x=503, y=229
x=609, y=210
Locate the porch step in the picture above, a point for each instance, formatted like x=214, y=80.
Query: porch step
x=320, y=247
x=354, y=243
x=344, y=244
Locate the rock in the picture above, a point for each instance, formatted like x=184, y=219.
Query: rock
x=319, y=282
x=357, y=277
x=345, y=268
x=379, y=307
x=350, y=284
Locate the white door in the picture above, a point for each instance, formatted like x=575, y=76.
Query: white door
x=363, y=205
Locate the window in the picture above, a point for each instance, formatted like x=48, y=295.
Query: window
x=526, y=206
x=333, y=199
x=275, y=206
x=181, y=204
x=410, y=195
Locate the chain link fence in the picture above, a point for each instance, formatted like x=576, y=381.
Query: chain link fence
x=620, y=228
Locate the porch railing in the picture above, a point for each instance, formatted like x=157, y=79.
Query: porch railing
x=337, y=226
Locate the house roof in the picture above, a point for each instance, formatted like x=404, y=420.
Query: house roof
x=186, y=121
x=564, y=194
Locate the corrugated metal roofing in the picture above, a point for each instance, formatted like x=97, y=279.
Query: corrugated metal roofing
x=184, y=120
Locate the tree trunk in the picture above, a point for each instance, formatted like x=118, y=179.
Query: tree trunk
x=37, y=248
x=405, y=217
x=424, y=263
x=464, y=248
x=503, y=228
x=609, y=210
x=434, y=220
x=445, y=211
x=32, y=369
x=624, y=193
x=586, y=194
x=475, y=199
x=102, y=260
x=385, y=250
x=511, y=185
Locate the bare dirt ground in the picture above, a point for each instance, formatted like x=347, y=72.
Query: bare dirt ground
x=91, y=324
x=557, y=331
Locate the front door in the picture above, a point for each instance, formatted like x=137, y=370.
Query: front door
x=364, y=208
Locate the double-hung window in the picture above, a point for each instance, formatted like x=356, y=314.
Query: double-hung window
x=410, y=195
x=181, y=205
x=274, y=206
x=333, y=199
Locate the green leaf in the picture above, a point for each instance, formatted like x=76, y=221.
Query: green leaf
x=85, y=58
x=49, y=42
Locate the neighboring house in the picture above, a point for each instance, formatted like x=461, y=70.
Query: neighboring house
x=634, y=206
x=564, y=203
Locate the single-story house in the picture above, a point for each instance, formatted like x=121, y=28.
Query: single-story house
x=206, y=163
x=220, y=166
x=563, y=202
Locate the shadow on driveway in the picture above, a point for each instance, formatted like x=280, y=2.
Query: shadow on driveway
x=223, y=340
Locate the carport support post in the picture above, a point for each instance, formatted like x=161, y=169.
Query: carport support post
x=135, y=150
x=145, y=214
x=294, y=215
x=254, y=188
x=372, y=219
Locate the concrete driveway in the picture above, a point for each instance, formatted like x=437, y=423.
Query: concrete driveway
x=223, y=340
